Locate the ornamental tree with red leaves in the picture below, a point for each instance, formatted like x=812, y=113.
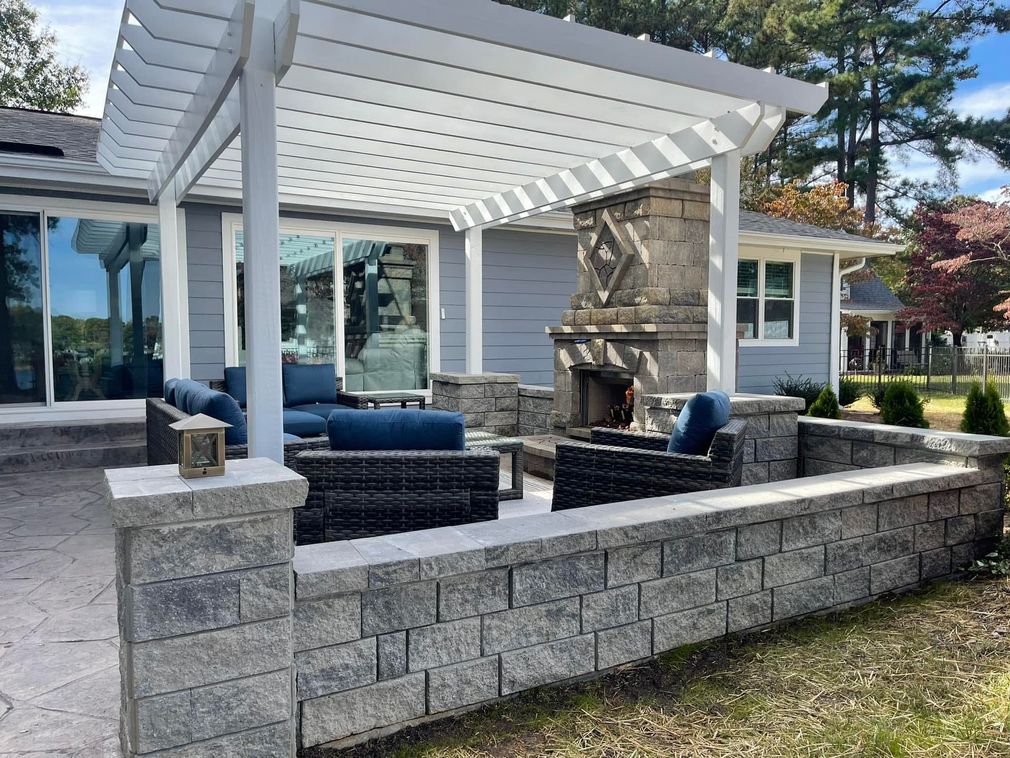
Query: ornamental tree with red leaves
x=958, y=272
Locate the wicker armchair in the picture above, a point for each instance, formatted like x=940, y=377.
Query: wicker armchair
x=163, y=442
x=616, y=466
x=370, y=493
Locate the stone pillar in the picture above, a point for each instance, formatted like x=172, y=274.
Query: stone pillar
x=205, y=585
x=488, y=402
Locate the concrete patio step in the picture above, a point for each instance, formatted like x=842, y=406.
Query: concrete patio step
x=83, y=455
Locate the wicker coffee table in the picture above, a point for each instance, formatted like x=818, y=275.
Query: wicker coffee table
x=402, y=399
x=503, y=445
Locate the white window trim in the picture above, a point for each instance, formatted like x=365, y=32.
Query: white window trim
x=231, y=222
x=94, y=209
x=774, y=256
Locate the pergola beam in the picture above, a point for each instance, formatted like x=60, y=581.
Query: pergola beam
x=657, y=159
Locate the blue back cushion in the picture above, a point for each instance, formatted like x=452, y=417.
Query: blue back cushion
x=184, y=391
x=234, y=384
x=310, y=384
x=702, y=416
x=170, y=391
x=223, y=407
x=395, y=429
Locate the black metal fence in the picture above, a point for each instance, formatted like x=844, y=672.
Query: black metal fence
x=934, y=369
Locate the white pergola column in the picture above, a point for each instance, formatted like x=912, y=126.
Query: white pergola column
x=260, y=224
x=723, y=243
x=174, y=290
x=837, y=333
x=474, y=300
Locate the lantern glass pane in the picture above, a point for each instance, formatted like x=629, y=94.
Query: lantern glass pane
x=203, y=449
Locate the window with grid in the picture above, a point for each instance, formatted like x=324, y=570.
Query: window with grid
x=766, y=299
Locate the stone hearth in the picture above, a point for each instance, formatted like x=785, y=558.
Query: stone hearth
x=640, y=309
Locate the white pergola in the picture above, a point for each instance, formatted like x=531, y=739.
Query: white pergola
x=466, y=109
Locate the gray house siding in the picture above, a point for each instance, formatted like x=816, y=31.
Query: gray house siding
x=760, y=366
x=528, y=280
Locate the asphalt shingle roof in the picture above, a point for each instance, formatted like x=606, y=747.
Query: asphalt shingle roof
x=871, y=294
x=751, y=221
x=75, y=136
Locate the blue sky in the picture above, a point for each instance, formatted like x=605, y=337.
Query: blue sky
x=87, y=34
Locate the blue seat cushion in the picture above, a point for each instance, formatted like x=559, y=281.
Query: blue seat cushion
x=395, y=429
x=318, y=409
x=223, y=407
x=703, y=415
x=184, y=391
x=234, y=383
x=291, y=438
x=303, y=424
x=309, y=384
x=170, y=391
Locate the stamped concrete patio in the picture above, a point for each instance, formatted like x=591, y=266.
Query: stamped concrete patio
x=59, y=672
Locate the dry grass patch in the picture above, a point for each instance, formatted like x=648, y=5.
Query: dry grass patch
x=924, y=675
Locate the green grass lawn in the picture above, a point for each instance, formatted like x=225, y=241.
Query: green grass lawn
x=943, y=411
x=923, y=675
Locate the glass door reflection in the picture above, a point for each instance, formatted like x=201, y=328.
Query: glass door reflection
x=22, y=317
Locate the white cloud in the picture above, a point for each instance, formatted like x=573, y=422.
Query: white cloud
x=86, y=35
x=989, y=101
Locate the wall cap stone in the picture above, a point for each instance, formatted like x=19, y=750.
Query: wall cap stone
x=536, y=390
x=149, y=495
x=462, y=378
x=741, y=404
x=959, y=443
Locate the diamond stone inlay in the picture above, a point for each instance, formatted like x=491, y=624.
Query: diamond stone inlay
x=605, y=258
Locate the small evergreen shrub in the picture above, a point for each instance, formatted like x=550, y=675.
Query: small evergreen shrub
x=849, y=391
x=803, y=387
x=826, y=405
x=996, y=563
x=983, y=411
x=902, y=406
x=877, y=395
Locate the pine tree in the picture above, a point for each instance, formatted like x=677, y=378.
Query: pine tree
x=902, y=406
x=984, y=412
x=826, y=405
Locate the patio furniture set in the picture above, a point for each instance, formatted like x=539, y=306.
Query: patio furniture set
x=374, y=470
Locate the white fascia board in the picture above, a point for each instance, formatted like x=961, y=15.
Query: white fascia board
x=513, y=28
x=868, y=249
x=636, y=166
x=214, y=88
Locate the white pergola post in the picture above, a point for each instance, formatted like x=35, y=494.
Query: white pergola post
x=260, y=223
x=175, y=305
x=474, y=300
x=723, y=242
x=837, y=333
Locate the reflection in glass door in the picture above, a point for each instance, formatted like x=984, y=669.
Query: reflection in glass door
x=22, y=319
x=307, y=298
x=385, y=315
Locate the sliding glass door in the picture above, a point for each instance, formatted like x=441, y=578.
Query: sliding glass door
x=366, y=310
x=22, y=316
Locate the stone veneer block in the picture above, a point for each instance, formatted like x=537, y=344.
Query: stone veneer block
x=750, y=611
x=794, y=566
x=332, y=717
x=635, y=563
x=399, y=607
x=392, y=654
x=327, y=622
x=550, y=662
x=803, y=597
x=462, y=684
x=530, y=625
x=336, y=668
x=329, y=568
x=695, y=553
x=557, y=578
x=473, y=594
x=688, y=627
x=442, y=644
x=614, y=607
x=677, y=593
x=623, y=644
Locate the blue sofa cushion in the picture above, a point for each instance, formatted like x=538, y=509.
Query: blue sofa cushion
x=291, y=438
x=223, y=407
x=234, y=384
x=303, y=424
x=309, y=384
x=170, y=391
x=318, y=409
x=702, y=416
x=184, y=391
x=395, y=429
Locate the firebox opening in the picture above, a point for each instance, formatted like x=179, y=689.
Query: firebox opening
x=607, y=399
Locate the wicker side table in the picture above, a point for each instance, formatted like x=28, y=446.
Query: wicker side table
x=502, y=445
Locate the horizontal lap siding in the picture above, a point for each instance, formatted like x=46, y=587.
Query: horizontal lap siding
x=206, y=292
x=760, y=366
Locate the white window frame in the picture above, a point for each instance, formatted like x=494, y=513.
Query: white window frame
x=91, y=209
x=773, y=256
x=339, y=231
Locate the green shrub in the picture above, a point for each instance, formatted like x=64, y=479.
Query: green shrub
x=902, y=406
x=996, y=563
x=983, y=411
x=876, y=395
x=803, y=387
x=849, y=391
x=826, y=405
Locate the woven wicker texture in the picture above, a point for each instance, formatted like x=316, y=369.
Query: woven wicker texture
x=616, y=466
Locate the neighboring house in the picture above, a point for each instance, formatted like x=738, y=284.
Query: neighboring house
x=866, y=296
x=79, y=244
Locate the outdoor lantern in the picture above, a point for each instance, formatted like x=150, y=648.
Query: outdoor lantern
x=201, y=446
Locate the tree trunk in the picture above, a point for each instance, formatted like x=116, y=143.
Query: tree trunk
x=873, y=157
x=840, y=124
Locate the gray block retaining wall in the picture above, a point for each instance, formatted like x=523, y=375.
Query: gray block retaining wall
x=535, y=405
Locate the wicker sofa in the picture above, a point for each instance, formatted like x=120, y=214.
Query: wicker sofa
x=621, y=465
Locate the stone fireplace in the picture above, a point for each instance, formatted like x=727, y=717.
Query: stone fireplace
x=639, y=316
